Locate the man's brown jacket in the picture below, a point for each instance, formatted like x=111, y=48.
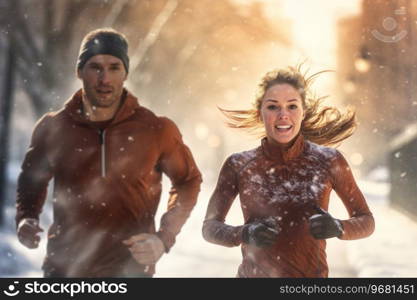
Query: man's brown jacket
x=107, y=186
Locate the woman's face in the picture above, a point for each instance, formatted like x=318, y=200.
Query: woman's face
x=282, y=113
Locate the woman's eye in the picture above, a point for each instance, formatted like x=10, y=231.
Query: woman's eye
x=293, y=106
x=271, y=107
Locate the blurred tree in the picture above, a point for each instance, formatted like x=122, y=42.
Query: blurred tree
x=7, y=43
x=5, y=113
x=40, y=40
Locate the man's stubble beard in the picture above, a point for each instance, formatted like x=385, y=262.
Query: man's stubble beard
x=94, y=99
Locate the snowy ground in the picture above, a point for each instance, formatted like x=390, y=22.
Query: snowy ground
x=389, y=252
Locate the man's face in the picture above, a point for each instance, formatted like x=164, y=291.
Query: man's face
x=103, y=76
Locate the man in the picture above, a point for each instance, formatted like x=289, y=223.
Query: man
x=106, y=154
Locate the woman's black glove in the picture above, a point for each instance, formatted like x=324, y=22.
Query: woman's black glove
x=324, y=226
x=259, y=234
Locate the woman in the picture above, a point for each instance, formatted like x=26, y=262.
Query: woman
x=284, y=184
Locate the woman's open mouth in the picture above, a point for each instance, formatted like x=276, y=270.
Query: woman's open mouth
x=283, y=128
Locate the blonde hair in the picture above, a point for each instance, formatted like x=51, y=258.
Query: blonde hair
x=323, y=125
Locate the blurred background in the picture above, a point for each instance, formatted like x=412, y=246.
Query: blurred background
x=190, y=57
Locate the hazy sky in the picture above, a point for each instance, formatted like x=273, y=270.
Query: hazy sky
x=314, y=25
x=313, y=33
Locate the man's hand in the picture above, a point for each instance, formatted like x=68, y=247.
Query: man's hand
x=27, y=232
x=259, y=234
x=146, y=248
x=324, y=226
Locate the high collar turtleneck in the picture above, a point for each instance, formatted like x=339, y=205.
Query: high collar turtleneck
x=280, y=154
x=73, y=107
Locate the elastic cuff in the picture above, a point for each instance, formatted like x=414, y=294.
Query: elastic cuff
x=240, y=232
x=26, y=218
x=340, y=227
x=166, y=240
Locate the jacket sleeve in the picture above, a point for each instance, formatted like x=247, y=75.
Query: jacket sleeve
x=214, y=228
x=35, y=174
x=361, y=222
x=178, y=164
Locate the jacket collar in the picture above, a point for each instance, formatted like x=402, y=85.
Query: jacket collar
x=278, y=154
x=73, y=107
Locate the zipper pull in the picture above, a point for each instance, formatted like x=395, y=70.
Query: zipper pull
x=101, y=136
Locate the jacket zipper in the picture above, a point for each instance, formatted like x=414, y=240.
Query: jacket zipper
x=102, y=140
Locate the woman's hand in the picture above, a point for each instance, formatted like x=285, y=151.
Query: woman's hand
x=324, y=226
x=259, y=234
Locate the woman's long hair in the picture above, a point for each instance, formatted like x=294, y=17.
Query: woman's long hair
x=323, y=125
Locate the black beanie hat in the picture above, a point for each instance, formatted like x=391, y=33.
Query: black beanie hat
x=104, y=41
